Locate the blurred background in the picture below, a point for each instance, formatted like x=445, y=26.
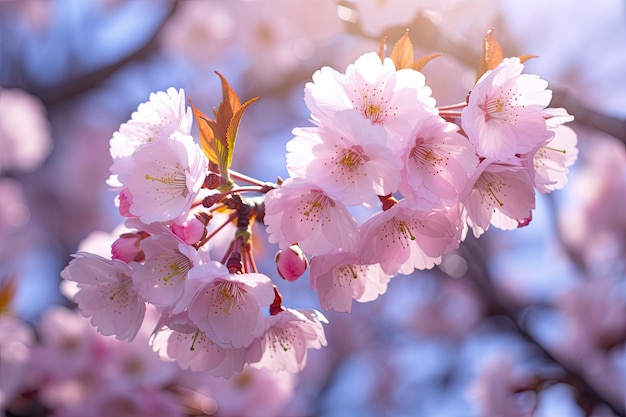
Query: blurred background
x=523, y=323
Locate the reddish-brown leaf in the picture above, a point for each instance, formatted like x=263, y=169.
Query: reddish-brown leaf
x=422, y=61
x=7, y=294
x=207, y=137
x=227, y=108
x=233, y=127
x=402, y=52
x=492, y=54
x=524, y=58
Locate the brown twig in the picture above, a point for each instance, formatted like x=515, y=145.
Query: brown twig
x=80, y=84
x=478, y=274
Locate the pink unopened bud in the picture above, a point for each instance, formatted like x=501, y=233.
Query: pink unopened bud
x=291, y=263
x=191, y=231
x=126, y=247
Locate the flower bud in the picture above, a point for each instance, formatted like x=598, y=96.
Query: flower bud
x=126, y=247
x=190, y=231
x=291, y=263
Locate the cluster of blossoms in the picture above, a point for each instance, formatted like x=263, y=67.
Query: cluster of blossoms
x=211, y=311
x=49, y=370
x=430, y=174
x=438, y=172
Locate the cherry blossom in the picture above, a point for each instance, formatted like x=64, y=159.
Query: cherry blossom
x=505, y=114
x=349, y=160
x=161, y=279
x=228, y=306
x=396, y=100
x=163, y=114
x=437, y=162
x=288, y=335
x=402, y=239
x=340, y=277
x=300, y=212
x=106, y=294
x=501, y=195
x=16, y=338
x=22, y=116
x=196, y=352
x=551, y=161
x=164, y=177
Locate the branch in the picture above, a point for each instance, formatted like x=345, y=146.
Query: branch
x=78, y=85
x=479, y=275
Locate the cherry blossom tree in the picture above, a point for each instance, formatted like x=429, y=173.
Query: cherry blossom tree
x=322, y=207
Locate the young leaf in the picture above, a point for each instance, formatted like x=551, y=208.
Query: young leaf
x=524, y=58
x=208, y=143
x=422, y=61
x=492, y=55
x=230, y=103
x=402, y=52
x=7, y=293
x=233, y=127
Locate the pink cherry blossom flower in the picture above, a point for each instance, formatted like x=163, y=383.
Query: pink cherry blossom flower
x=396, y=100
x=123, y=401
x=402, y=238
x=341, y=277
x=254, y=393
x=288, y=335
x=551, y=161
x=291, y=263
x=500, y=195
x=499, y=386
x=196, y=352
x=505, y=113
x=437, y=162
x=164, y=178
x=66, y=346
x=16, y=340
x=228, y=306
x=22, y=116
x=106, y=294
x=300, y=212
x=164, y=114
x=349, y=159
x=161, y=279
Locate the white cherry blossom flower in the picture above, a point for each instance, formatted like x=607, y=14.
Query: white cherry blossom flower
x=164, y=178
x=550, y=163
x=163, y=114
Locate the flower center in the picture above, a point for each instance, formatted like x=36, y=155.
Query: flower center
x=427, y=158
